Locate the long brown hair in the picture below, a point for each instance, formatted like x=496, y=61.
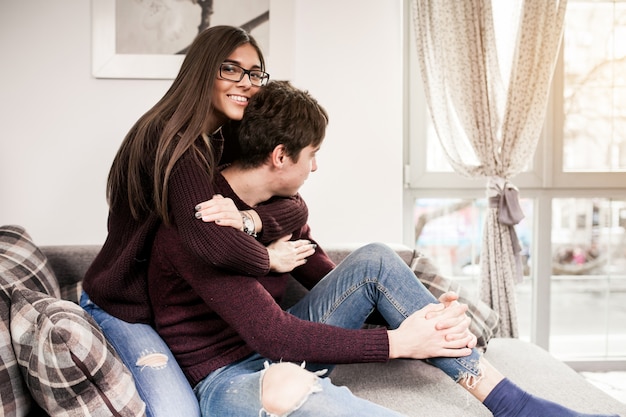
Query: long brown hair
x=143, y=164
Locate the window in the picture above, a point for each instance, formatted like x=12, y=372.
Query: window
x=588, y=318
x=594, y=87
x=573, y=297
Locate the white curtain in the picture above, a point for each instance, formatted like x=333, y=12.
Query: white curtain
x=489, y=127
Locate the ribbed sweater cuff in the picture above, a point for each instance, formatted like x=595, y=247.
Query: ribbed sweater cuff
x=375, y=347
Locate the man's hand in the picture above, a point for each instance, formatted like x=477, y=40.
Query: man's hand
x=449, y=299
x=433, y=331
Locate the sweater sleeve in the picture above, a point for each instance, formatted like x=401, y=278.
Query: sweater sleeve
x=222, y=247
x=280, y=216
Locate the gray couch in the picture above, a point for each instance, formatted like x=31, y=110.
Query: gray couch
x=414, y=387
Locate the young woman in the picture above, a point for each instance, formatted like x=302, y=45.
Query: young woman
x=233, y=340
x=181, y=136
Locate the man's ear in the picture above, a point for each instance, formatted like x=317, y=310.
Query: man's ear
x=278, y=156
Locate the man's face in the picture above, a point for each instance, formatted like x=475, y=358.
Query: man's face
x=294, y=174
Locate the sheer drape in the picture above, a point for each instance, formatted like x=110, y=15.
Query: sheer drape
x=489, y=129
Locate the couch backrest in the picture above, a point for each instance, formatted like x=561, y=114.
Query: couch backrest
x=70, y=262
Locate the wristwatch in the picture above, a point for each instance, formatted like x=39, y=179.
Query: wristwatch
x=248, y=224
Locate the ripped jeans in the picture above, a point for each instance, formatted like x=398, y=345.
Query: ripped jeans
x=372, y=277
x=160, y=382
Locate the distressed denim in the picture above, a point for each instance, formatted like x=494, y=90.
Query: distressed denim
x=372, y=277
x=234, y=391
x=159, y=380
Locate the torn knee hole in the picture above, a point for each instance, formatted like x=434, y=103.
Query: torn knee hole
x=153, y=360
x=285, y=387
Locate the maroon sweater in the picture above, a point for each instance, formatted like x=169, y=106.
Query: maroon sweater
x=211, y=315
x=117, y=279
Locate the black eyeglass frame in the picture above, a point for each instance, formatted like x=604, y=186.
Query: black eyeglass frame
x=264, y=79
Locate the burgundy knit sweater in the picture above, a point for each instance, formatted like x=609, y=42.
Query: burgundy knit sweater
x=210, y=315
x=117, y=279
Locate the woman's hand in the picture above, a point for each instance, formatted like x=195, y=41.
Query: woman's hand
x=286, y=255
x=220, y=210
x=223, y=211
x=433, y=331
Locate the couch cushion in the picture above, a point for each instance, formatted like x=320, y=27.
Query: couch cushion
x=69, y=367
x=418, y=389
x=484, y=319
x=21, y=265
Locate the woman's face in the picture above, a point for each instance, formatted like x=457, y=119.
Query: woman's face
x=230, y=98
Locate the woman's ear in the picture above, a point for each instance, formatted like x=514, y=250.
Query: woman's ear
x=278, y=156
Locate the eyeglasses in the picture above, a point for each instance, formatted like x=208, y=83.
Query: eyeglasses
x=233, y=72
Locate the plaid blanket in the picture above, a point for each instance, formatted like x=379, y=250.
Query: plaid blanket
x=22, y=265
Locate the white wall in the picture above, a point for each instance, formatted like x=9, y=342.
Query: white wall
x=60, y=127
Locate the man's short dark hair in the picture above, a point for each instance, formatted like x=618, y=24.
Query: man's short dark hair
x=280, y=113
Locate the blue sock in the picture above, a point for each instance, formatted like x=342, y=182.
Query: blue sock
x=509, y=400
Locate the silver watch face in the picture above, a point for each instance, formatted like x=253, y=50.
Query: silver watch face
x=248, y=226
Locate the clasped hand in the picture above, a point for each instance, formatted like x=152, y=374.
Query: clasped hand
x=437, y=330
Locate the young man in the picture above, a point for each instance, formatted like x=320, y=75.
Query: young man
x=225, y=328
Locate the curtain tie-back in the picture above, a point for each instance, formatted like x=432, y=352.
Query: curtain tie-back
x=504, y=196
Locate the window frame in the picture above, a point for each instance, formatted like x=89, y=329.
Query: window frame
x=544, y=182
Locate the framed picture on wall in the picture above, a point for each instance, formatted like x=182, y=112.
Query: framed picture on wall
x=147, y=39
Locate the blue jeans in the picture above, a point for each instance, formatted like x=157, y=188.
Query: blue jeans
x=372, y=277
x=159, y=380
